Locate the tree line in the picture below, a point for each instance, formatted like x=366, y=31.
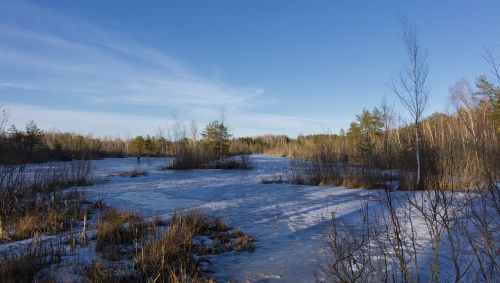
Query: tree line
x=32, y=144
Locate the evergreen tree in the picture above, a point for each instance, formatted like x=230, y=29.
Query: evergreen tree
x=138, y=145
x=492, y=92
x=148, y=145
x=364, y=131
x=33, y=137
x=215, y=139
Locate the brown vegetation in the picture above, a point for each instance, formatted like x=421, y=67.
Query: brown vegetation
x=115, y=229
x=23, y=265
x=137, y=172
x=461, y=147
x=167, y=254
x=193, y=157
x=36, y=199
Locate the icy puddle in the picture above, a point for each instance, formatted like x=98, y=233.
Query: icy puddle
x=286, y=220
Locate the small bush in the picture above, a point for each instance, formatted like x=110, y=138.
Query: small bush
x=196, y=158
x=240, y=162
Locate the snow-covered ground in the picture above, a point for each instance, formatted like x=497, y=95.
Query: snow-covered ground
x=286, y=220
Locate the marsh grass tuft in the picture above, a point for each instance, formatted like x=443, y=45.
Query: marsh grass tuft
x=171, y=253
x=116, y=229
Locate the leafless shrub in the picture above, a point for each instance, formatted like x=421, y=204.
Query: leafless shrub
x=355, y=249
x=414, y=236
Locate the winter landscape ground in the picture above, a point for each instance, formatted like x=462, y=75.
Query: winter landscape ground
x=286, y=220
x=289, y=223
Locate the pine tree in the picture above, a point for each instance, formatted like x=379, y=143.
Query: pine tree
x=492, y=92
x=33, y=138
x=215, y=139
x=138, y=144
x=365, y=130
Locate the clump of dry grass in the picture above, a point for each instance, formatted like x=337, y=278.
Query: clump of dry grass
x=244, y=242
x=97, y=272
x=118, y=228
x=172, y=256
x=22, y=266
x=241, y=162
x=48, y=214
x=132, y=173
x=169, y=254
x=363, y=183
x=277, y=178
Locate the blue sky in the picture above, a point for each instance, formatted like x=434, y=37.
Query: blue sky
x=122, y=68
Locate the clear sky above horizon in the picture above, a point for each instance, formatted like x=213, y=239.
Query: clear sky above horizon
x=123, y=68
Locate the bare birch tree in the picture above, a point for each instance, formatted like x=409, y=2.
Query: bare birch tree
x=193, y=129
x=411, y=87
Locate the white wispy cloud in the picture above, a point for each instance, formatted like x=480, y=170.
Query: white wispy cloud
x=44, y=52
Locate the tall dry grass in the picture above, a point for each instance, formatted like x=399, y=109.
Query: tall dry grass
x=158, y=252
x=24, y=264
x=195, y=157
x=40, y=199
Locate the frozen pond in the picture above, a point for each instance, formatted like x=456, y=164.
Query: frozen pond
x=286, y=220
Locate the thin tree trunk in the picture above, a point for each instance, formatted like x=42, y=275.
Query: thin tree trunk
x=417, y=146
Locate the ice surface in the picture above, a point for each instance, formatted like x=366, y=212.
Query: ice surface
x=286, y=220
